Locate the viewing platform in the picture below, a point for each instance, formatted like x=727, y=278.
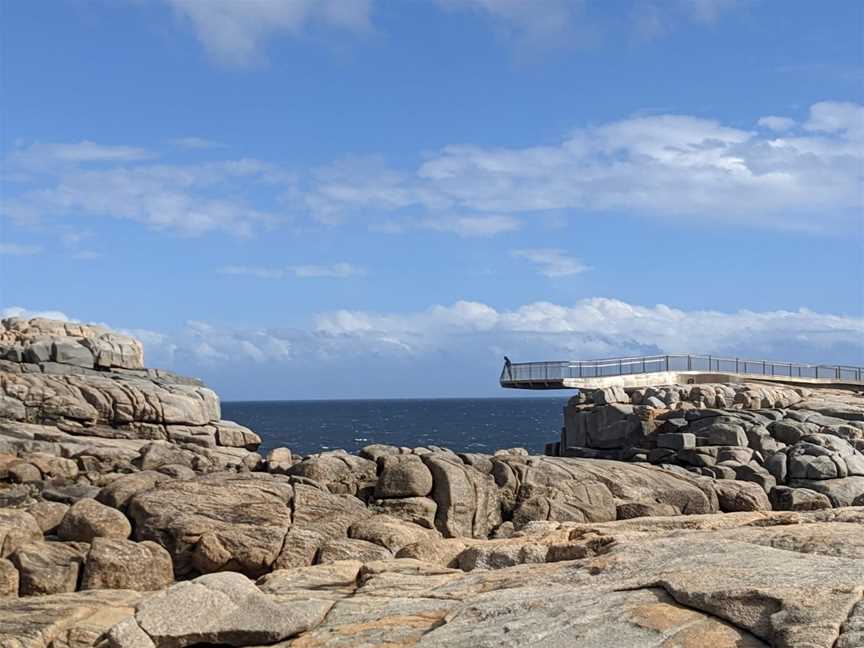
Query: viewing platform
x=646, y=371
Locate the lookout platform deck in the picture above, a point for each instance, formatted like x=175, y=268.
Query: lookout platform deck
x=646, y=371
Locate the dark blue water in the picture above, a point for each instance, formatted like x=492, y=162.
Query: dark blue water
x=462, y=424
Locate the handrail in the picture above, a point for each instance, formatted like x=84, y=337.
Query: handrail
x=551, y=371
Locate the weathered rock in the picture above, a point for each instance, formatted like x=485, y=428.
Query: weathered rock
x=9, y=579
x=48, y=515
x=403, y=476
x=114, y=563
x=417, y=510
x=784, y=498
x=319, y=517
x=48, y=567
x=390, y=532
x=215, y=523
x=232, y=435
x=74, y=620
x=467, y=499
x=118, y=493
x=352, y=549
x=224, y=608
x=340, y=473
x=88, y=519
x=841, y=492
x=741, y=496
x=17, y=528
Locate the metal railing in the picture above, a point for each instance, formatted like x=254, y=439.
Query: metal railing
x=556, y=371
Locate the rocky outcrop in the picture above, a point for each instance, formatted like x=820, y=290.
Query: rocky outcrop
x=752, y=580
x=770, y=435
x=132, y=516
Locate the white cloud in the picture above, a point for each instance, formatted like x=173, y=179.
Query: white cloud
x=187, y=199
x=778, y=124
x=16, y=249
x=341, y=270
x=596, y=327
x=837, y=116
x=234, y=33
x=45, y=155
x=552, y=262
x=661, y=165
x=196, y=143
x=473, y=226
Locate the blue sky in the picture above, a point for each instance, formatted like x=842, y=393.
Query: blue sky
x=360, y=198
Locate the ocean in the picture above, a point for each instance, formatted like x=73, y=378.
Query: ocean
x=461, y=424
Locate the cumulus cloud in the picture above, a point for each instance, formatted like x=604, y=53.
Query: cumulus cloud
x=341, y=270
x=235, y=33
x=660, y=165
x=775, y=123
x=467, y=331
x=551, y=262
x=793, y=174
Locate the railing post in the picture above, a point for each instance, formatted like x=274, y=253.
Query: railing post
x=763, y=368
x=736, y=366
x=667, y=363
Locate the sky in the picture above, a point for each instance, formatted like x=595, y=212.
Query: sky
x=379, y=199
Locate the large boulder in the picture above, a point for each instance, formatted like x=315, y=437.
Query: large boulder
x=88, y=519
x=216, y=523
x=467, y=500
x=48, y=567
x=339, y=472
x=224, y=609
x=114, y=563
x=741, y=496
x=390, y=532
x=17, y=528
x=403, y=476
x=319, y=518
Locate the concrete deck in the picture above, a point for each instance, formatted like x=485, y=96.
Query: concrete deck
x=648, y=371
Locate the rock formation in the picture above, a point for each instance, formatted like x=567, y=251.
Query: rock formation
x=132, y=516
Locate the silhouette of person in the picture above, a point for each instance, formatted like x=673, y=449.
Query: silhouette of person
x=508, y=368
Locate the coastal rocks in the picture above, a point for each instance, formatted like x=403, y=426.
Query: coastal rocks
x=765, y=434
x=319, y=517
x=17, y=528
x=88, y=519
x=44, y=340
x=215, y=523
x=741, y=496
x=114, y=563
x=403, y=476
x=74, y=620
x=339, y=472
x=467, y=500
x=390, y=532
x=225, y=608
x=48, y=567
x=784, y=498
